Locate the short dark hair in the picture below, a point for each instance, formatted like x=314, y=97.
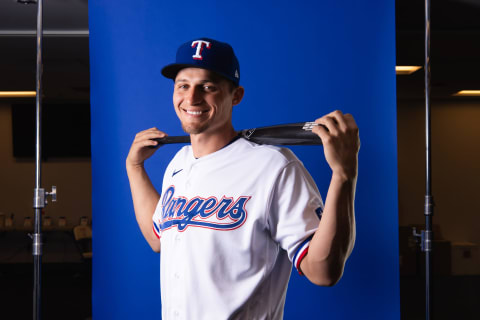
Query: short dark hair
x=217, y=77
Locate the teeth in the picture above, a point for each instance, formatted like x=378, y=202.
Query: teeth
x=195, y=113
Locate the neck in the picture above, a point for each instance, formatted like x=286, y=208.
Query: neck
x=205, y=143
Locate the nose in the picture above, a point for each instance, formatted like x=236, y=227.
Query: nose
x=194, y=95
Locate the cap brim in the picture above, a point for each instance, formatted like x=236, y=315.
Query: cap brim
x=171, y=70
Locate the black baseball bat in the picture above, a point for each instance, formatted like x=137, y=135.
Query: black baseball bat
x=283, y=134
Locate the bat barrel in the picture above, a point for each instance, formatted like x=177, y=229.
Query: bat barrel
x=288, y=134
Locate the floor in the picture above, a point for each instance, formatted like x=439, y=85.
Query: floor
x=67, y=294
x=454, y=297
x=66, y=291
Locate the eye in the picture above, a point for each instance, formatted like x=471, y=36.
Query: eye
x=209, y=88
x=182, y=86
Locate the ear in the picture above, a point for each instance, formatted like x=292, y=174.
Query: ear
x=238, y=95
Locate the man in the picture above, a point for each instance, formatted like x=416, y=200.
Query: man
x=233, y=215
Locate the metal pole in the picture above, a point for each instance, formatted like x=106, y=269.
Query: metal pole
x=39, y=194
x=428, y=209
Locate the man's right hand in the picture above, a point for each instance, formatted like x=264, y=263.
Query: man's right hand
x=143, y=147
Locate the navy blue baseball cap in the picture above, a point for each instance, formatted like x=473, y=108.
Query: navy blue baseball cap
x=207, y=54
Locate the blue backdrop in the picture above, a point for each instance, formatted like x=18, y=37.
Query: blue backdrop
x=298, y=61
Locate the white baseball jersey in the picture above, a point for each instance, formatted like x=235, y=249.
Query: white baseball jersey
x=230, y=224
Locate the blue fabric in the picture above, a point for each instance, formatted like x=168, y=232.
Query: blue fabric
x=299, y=60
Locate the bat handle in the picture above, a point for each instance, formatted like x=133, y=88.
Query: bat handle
x=172, y=139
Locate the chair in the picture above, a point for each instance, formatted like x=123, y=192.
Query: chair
x=83, y=239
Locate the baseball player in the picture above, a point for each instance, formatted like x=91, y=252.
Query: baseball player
x=233, y=216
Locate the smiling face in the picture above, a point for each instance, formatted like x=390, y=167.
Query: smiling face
x=203, y=101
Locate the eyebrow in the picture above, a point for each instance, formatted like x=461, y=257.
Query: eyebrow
x=201, y=81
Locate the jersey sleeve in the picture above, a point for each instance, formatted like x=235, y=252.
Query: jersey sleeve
x=295, y=212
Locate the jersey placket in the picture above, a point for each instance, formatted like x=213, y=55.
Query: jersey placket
x=178, y=254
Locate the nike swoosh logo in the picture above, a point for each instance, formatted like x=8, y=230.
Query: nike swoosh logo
x=175, y=172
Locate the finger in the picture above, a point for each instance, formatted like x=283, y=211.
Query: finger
x=154, y=129
x=150, y=134
x=138, y=146
x=322, y=132
x=330, y=123
x=148, y=143
x=350, y=121
x=352, y=128
x=334, y=114
x=340, y=120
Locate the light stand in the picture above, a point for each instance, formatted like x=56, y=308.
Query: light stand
x=426, y=236
x=40, y=195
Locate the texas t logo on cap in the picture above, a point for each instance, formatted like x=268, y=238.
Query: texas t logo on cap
x=200, y=45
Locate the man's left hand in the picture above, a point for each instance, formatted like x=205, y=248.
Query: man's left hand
x=341, y=142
